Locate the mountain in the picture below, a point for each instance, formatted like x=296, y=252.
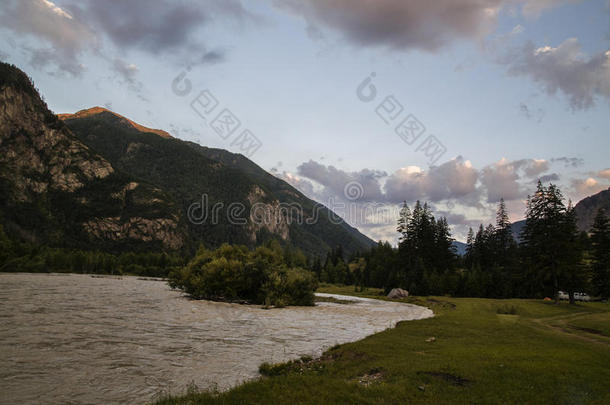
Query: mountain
x=56, y=190
x=460, y=247
x=96, y=179
x=517, y=228
x=125, y=121
x=586, y=209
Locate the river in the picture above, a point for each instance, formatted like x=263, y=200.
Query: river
x=78, y=339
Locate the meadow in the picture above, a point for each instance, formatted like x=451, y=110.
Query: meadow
x=482, y=351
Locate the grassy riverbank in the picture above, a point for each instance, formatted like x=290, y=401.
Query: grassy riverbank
x=472, y=351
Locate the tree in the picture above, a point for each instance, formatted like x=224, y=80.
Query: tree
x=600, y=241
x=549, y=239
x=6, y=248
x=425, y=252
x=404, y=218
x=572, y=275
x=504, y=234
x=468, y=259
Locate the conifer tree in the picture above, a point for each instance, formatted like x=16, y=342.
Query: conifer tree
x=403, y=221
x=600, y=240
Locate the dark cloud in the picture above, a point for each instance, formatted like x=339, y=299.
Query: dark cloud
x=41, y=58
x=455, y=189
x=427, y=25
x=213, y=57
x=453, y=179
x=64, y=36
x=536, y=114
x=507, y=179
x=501, y=180
x=581, y=78
x=549, y=178
x=127, y=73
x=365, y=183
x=402, y=24
x=569, y=161
x=151, y=25
x=158, y=27
x=126, y=70
x=531, y=167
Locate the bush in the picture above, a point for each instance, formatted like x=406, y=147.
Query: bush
x=234, y=273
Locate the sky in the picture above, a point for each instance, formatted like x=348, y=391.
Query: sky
x=359, y=104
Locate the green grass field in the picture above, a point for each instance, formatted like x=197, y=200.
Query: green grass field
x=483, y=351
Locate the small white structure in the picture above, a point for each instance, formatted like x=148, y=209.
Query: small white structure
x=578, y=296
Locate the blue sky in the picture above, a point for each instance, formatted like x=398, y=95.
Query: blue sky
x=514, y=90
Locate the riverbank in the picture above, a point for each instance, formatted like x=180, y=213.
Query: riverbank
x=70, y=338
x=472, y=351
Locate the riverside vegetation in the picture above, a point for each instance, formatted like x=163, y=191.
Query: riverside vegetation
x=265, y=275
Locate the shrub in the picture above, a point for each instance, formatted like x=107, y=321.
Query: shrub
x=234, y=273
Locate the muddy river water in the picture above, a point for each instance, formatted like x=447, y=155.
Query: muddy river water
x=78, y=339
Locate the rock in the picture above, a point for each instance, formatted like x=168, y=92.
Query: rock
x=398, y=293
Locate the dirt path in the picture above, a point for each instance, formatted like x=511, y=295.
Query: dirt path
x=561, y=324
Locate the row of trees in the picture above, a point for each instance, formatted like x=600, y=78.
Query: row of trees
x=425, y=261
x=24, y=257
x=552, y=255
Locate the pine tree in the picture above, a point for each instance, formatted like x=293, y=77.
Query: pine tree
x=403, y=221
x=504, y=233
x=444, y=256
x=469, y=249
x=600, y=240
x=549, y=239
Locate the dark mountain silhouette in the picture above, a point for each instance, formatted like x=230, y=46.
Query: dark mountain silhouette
x=96, y=179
